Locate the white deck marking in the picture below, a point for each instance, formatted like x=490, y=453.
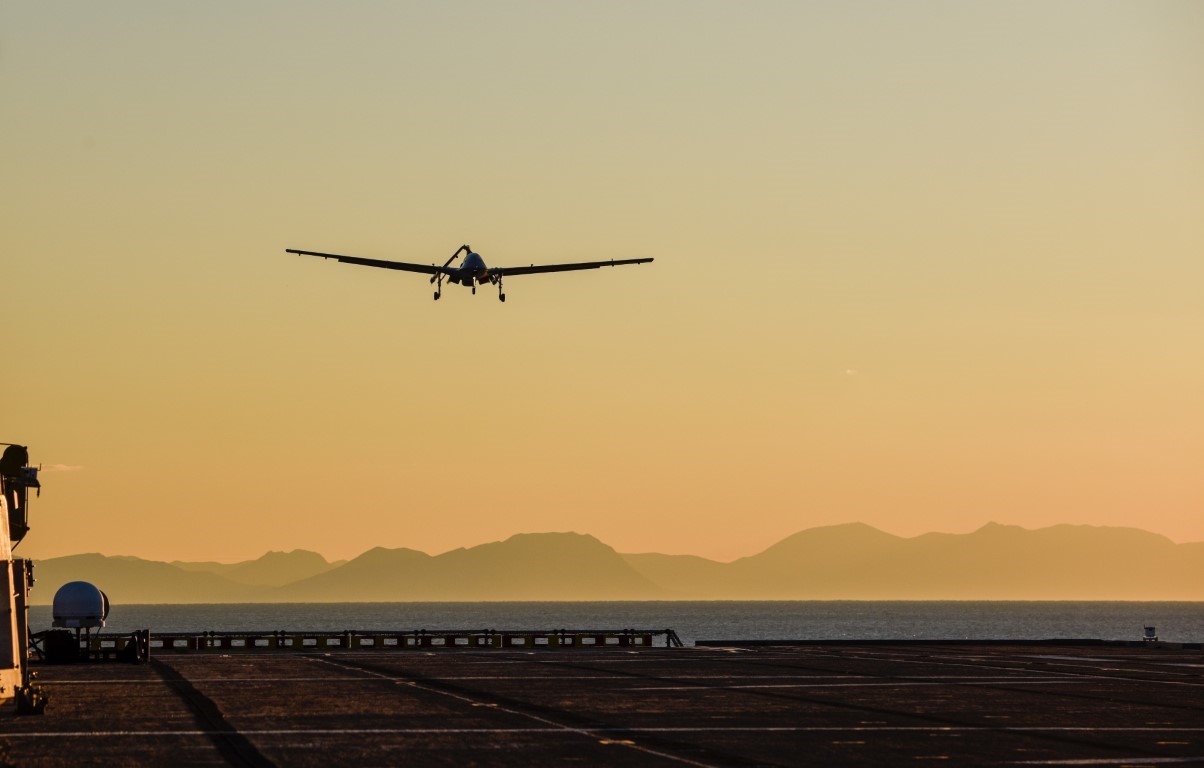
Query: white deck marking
x=931, y=661
x=593, y=732
x=966, y=679
x=590, y=733
x=887, y=684
x=1116, y=761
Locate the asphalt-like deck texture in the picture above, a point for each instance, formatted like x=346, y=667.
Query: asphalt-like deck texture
x=803, y=705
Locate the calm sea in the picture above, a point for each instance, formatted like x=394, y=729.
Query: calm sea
x=720, y=620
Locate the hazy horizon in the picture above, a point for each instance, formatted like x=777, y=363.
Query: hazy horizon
x=433, y=553
x=847, y=562
x=922, y=265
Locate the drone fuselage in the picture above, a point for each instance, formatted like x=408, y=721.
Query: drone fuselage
x=471, y=271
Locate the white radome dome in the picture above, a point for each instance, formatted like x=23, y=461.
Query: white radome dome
x=79, y=604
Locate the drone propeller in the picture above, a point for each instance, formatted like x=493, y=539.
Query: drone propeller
x=450, y=260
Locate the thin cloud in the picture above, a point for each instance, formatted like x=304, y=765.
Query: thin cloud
x=60, y=468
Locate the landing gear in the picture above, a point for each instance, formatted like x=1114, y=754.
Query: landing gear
x=437, y=277
x=501, y=294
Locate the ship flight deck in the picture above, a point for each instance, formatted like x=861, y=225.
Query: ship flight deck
x=725, y=705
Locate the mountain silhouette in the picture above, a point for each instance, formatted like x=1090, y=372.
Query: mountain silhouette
x=850, y=562
x=829, y=562
x=274, y=569
x=996, y=562
x=686, y=576
x=378, y=575
x=134, y=580
x=543, y=566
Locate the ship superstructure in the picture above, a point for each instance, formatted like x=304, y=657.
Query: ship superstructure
x=17, y=477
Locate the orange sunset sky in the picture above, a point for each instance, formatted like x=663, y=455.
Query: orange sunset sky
x=922, y=265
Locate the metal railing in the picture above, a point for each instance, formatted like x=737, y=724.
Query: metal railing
x=421, y=639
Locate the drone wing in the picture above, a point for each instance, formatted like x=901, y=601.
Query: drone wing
x=534, y=268
x=426, y=269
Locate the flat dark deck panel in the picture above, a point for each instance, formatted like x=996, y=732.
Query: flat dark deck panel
x=819, y=704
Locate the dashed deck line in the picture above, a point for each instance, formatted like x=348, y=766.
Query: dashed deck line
x=555, y=726
x=634, y=730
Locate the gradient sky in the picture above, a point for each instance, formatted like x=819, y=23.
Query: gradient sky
x=922, y=265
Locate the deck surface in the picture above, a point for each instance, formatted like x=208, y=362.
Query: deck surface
x=874, y=704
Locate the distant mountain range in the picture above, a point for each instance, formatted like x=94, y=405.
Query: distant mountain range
x=842, y=562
